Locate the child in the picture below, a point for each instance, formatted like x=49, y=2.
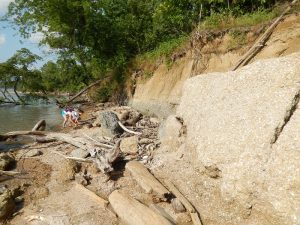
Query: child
x=70, y=113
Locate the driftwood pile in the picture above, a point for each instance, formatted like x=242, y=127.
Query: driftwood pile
x=141, y=132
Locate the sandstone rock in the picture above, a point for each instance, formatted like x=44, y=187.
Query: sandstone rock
x=33, y=153
x=109, y=123
x=6, y=161
x=246, y=124
x=129, y=145
x=7, y=205
x=170, y=132
x=79, y=153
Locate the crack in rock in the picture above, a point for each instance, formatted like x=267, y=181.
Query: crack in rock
x=288, y=115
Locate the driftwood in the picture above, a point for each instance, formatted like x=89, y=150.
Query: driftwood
x=129, y=131
x=9, y=173
x=162, y=212
x=103, y=157
x=146, y=180
x=193, y=213
x=262, y=40
x=14, y=134
x=91, y=195
x=195, y=218
x=73, y=158
x=177, y=205
x=40, y=126
x=84, y=90
x=98, y=143
x=133, y=212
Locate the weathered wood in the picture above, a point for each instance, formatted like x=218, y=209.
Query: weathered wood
x=14, y=134
x=128, y=131
x=162, y=212
x=260, y=43
x=195, y=218
x=145, y=179
x=193, y=213
x=180, y=196
x=177, y=205
x=133, y=212
x=39, y=126
x=98, y=143
x=84, y=90
x=72, y=158
x=9, y=173
x=91, y=195
x=103, y=158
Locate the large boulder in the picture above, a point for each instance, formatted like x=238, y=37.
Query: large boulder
x=246, y=125
x=109, y=123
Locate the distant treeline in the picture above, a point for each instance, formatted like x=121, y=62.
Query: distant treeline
x=93, y=38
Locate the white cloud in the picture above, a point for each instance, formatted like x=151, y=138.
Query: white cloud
x=4, y=4
x=2, y=39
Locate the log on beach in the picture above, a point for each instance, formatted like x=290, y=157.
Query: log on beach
x=133, y=212
x=146, y=180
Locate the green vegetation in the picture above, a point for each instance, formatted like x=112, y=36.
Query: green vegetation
x=225, y=20
x=95, y=38
x=164, y=49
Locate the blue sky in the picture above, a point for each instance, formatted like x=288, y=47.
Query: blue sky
x=10, y=40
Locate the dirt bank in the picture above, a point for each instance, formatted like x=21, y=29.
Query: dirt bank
x=208, y=52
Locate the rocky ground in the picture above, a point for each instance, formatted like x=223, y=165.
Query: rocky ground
x=52, y=189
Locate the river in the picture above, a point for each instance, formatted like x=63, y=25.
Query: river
x=20, y=117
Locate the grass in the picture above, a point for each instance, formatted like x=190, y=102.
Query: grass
x=227, y=20
x=164, y=49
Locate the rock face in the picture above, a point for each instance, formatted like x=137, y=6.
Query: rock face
x=170, y=132
x=246, y=125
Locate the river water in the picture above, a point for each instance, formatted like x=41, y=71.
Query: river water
x=13, y=118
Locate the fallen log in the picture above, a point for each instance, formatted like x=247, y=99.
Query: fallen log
x=14, y=134
x=260, y=43
x=85, y=89
x=162, y=212
x=9, y=173
x=193, y=213
x=180, y=196
x=91, y=195
x=40, y=126
x=195, y=218
x=146, y=180
x=133, y=212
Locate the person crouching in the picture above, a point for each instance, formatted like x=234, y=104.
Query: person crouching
x=71, y=114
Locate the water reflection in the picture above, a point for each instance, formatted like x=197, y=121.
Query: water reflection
x=25, y=117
